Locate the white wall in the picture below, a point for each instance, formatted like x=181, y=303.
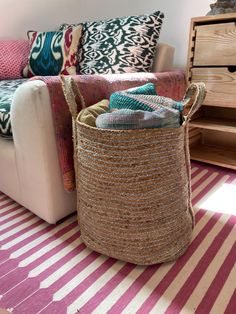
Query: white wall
x=16, y=17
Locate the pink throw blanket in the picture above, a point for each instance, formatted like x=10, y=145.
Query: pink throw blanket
x=95, y=88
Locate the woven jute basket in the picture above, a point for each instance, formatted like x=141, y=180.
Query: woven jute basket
x=133, y=186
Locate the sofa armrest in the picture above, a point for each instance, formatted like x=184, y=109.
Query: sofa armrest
x=36, y=153
x=164, y=58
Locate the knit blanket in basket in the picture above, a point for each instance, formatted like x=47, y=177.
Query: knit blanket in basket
x=95, y=88
x=140, y=108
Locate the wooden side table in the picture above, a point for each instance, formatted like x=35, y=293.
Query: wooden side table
x=212, y=59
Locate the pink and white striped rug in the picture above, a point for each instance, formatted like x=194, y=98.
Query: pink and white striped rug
x=46, y=268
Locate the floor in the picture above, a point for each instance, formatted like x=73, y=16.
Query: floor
x=47, y=269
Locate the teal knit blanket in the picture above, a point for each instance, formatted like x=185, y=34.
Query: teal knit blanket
x=139, y=108
x=142, y=98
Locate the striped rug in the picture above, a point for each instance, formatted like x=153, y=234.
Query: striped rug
x=46, y=268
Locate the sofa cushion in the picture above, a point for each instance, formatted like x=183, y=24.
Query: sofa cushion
x=119, y=45
x=7, y=89
x=13, y=58
x=53, y=53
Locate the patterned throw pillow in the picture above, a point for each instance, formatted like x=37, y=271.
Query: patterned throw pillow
x=7, y=90
x=53, y=53
x=119, y=45
x=13, y=58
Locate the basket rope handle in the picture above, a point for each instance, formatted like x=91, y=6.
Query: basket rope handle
x=193, y=99
x=71, y=92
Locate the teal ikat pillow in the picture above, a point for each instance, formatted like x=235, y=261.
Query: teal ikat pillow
x=53, y=53
x=119, y=45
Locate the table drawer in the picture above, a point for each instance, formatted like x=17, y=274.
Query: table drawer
x=215, y=45
x=220, y=83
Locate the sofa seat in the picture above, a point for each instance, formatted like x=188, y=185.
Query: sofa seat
x=7, y=90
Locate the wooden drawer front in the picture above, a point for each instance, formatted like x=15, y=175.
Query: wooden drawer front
x=220, y=83
x=215, y=45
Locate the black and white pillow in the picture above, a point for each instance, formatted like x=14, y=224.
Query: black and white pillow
x=7, y=90
x=119, y=45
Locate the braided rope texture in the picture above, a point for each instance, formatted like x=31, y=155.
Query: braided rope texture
x=133, y=187
x=133, y=193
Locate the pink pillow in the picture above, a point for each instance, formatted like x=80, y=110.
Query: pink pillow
x=13, y=58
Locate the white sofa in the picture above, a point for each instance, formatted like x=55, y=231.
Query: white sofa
x=29, y=167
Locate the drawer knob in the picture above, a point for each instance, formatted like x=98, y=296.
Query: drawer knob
x=232, y=68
